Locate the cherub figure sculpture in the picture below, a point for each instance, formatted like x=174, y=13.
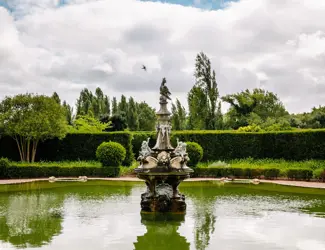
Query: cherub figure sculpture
x=180, y=149
x=145, y=150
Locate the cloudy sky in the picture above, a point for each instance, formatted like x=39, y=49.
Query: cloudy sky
x=67, y=45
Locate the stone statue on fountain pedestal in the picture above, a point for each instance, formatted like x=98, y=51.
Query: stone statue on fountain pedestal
x=163, y=167
x=164, y=91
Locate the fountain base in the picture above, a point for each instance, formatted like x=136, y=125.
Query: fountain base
x=162, y=193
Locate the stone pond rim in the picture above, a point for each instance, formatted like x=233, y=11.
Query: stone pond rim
x=163, y=167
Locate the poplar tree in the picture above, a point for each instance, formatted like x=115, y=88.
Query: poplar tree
x=203, y=97
x=132, y=115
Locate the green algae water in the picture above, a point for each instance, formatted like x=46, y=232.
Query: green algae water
x=100, y=215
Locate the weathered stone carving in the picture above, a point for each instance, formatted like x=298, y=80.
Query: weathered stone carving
x=163, y=167
x=164, y=91
x=180, y=149
x=163, y=137
x=163, y=159
x=145, y=150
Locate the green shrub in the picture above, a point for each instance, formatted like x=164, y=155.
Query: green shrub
x=4, y=164
x=319, y=174
x=111, y=154
x=113, y=171
x=271, y=173
x=15, y=171
x=195, y=153
x=299, y=173
x=74, y=147
x=250, y=128
x=237, y=172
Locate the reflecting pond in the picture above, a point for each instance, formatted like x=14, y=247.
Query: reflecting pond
x=106, y=215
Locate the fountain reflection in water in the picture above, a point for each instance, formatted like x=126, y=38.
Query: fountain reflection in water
x=163, y=167
x=162, y=232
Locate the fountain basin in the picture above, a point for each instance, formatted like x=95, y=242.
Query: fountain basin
x=103, y=215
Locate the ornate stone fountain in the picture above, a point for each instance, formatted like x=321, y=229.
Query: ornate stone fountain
x=163, y=167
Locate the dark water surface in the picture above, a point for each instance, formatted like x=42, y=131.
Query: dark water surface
x=98, y=215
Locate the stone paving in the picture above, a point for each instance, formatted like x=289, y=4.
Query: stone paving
x=281, y=182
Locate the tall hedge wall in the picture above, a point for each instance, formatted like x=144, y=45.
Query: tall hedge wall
x=217, y=145
x=225, y=145
x=72, y=147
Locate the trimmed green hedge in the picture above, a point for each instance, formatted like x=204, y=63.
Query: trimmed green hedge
x=217, y=145
x=80, y=146
x=225, y=145
x=17, y=171
x=267, y=173
x=299, y=174
x=319, y=174
x=44, y=172
x=218, y=172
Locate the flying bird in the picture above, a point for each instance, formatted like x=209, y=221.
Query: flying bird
x=144, y=67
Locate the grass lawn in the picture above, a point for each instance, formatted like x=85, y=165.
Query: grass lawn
x=266, y=163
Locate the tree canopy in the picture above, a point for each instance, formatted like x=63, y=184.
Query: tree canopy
x=253, y=107
x=89, y=124
x=30, y=118
x=203, y=97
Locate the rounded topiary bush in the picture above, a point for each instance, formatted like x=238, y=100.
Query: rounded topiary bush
x=111, y=154
x=4, y=164
x=195, y=153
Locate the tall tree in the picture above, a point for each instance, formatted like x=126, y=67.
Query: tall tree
x=107, y=106
x=29, y=119
x=97, y=103
x=114, y=106
x=147, y=117
x=56, y=97
x=68, y=112
x=100, y=102
x=99, y=93
x=198, y=110
x=89, y=124
x=118, y=121
x=268, y=104
x=313, y=119
x=219, y=122
x=123, y=105
x=84, y=102
x=248, y=107
x=95, y=107
x=178, y=118
x=132, y=115
x=204, y=92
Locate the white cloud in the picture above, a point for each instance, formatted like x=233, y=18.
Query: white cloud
x=277, y=45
